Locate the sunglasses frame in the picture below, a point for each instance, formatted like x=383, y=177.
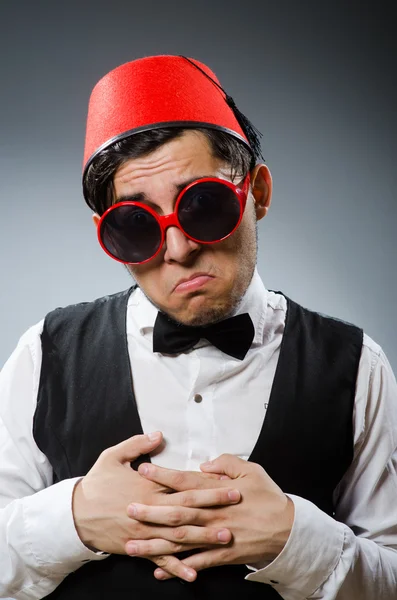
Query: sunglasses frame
x=171, y=220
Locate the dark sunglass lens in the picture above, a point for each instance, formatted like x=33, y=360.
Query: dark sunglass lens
x=209, y=211
x=131, y=234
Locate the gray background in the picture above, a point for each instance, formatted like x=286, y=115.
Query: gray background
x=317, y=78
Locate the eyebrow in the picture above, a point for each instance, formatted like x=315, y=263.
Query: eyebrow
x=142, y=197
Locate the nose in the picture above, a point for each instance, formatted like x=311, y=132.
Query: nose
x=178, y=247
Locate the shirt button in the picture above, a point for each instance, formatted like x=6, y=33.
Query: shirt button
x=197, y=398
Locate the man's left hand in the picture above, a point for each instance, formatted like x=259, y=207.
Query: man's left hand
x=260, y=523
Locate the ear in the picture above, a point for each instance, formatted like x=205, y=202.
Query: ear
x=96, y=218
x=261, y=187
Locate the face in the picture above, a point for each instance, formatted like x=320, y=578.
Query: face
x=195, y=284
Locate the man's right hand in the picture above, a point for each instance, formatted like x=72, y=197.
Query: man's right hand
x=101, y=499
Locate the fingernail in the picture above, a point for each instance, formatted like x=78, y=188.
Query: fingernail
x=189, y=574
x=144, y=470
x=154, y=436
x=132, y=510
x=223, y=535
x=234, y=495
x=209, y=463
x=132, y=548
x=159, y=574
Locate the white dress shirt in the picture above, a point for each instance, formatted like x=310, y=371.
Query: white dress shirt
x=207, y=403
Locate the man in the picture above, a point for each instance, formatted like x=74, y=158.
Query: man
x=262, y=435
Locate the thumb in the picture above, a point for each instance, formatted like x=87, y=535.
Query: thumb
x=130, y=449
x=226, y=464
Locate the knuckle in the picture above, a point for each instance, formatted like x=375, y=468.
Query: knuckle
x=149, y=548
x=141, y=512
x=257, y=468
x=187, y=499
x=198, y=515
x=211, y=536
x=143, y=548
x=222, y=496
x=163, y=561
x=180, y=533
x=175, y=517
x=105, y=454
x=159, y=560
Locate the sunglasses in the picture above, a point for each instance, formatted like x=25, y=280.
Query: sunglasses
x=207, y=211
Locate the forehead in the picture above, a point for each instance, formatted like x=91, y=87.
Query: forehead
x=179, y=159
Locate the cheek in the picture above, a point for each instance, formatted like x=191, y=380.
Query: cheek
x=150, y=278
x=146, y=271
x=241, y=246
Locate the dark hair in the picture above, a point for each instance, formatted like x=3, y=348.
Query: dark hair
x=98, y=180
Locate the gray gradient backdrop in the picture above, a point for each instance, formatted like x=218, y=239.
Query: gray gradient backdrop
x=317, y=78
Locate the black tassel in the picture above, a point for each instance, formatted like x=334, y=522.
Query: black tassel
x=252, y=133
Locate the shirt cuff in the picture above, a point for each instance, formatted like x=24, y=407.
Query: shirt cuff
x=310, y=555
x=50, y=530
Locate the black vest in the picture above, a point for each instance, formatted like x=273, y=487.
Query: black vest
x=86, y=403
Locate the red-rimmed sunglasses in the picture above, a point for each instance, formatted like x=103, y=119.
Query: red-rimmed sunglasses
x=206, y=211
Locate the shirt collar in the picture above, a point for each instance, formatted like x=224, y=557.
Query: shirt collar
x=254, y=302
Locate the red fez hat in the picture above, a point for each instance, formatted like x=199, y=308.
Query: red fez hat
x=154, y=92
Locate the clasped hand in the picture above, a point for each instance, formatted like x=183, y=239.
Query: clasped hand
x=232, y=511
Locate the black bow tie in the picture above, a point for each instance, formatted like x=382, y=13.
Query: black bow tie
x=233, y=336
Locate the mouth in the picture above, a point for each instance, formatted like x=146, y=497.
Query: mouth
x=197, y=280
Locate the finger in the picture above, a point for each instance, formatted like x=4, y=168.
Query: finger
x=130, y=449
x=179, y=480
x=183, y=534
x=197, y=562
x=155, y=547
x=173, y=567
x=163, y=515
x=227, y=464
x=161, y=574
x=191, y=534
x=203, y=498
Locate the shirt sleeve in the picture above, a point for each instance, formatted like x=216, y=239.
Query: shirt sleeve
x=354, y=555
x=33, y=560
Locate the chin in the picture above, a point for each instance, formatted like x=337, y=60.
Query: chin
x=204, y=315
